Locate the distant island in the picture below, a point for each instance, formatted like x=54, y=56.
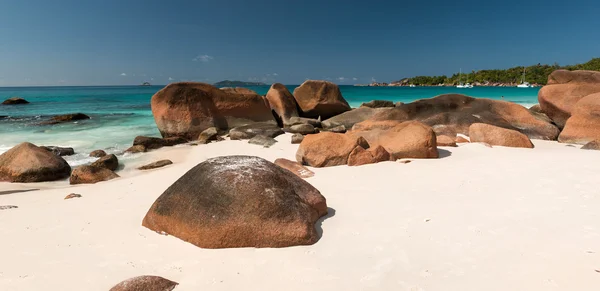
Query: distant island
x=537, y=75
x=146, y=84
x=228, y=83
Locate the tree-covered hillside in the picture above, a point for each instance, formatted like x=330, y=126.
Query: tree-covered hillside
x=537, y=74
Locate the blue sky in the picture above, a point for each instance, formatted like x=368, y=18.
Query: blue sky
x=64, y=42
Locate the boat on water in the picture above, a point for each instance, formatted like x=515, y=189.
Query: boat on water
x=412, y=85
x=523, y=83
x=460, y=83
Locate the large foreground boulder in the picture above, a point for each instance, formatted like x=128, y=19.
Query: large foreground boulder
x=238, y=201
x=145, y=283
x=584, y=124
x=498, y=136
x=450, y=114
x=564, y=90
x=282, y=102
x=186, y=109
x=326, y=149
x=320, y=98
x=27, y=162
x=410, y=139
x=91, y=175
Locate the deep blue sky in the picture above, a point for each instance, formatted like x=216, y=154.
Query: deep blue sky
x=85, y=42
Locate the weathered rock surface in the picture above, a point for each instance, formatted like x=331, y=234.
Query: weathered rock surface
x=238, y=201
x=27, y=162
x=157, y=164
x=136, y=149
x=152, y=143
x=378, y=104
x=252, y=130
x=59, y=151
x=410, y=139
x=186, y=109
x=97, y=154
x=262, y=140
x=592, y=145
x=301, y=129
x=320, y=98
x=282, y=102
x=145, y=283
x=446, y=141
x=302, y=120
x=91, y=175
x=498, y=136
x=361, y=156
x=66, y=118
x=564, y=90
x=295, y=167
x=208, y=135
x=297, y=138
x=15, y=101
x=450, y=114
x=326, y=149
x=349, y=118
x=460, y=139
x=584, y=124
x=108, y=162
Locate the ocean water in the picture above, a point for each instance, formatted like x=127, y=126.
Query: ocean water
x=120, y=113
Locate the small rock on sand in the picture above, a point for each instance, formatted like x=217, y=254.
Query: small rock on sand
x=157, y=164
x=72, y=195
x=4, y=207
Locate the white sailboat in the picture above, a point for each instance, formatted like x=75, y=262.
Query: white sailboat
x=523, y=83
x=460, y=84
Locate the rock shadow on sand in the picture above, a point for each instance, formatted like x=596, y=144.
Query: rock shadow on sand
x=319, y=223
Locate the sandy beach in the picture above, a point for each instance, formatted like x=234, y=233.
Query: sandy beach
x=478, y=218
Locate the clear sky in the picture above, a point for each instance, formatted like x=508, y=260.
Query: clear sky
x=85, y=42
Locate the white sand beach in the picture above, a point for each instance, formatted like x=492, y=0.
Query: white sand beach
x=478, y=218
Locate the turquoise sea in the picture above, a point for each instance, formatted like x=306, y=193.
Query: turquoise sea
x=119, y=113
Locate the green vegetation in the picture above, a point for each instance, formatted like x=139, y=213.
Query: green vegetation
x=537, y=74
x=228, y=83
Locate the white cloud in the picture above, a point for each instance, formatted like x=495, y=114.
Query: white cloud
x=354, y=79
x=151, y=79
x=373, y=79
x=203, y=58
x=341, y=79
x=275, y=74
x=171, y=79
x=123, y=74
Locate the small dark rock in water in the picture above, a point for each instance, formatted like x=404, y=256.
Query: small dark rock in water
x=592, y=145
x=72, y=195
x=155, y=165
x=145, y=283
x=97, y=154
x=59, y=151
x=297, y=138
x=152, y=143
x=301, y=129
x=108, y=162
x=66, y=118
x=378, y=104
x=15, y=101
x=4, y=207
x=251, y=130
x=262, y=140
x=207, y=135
x=136, y=149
